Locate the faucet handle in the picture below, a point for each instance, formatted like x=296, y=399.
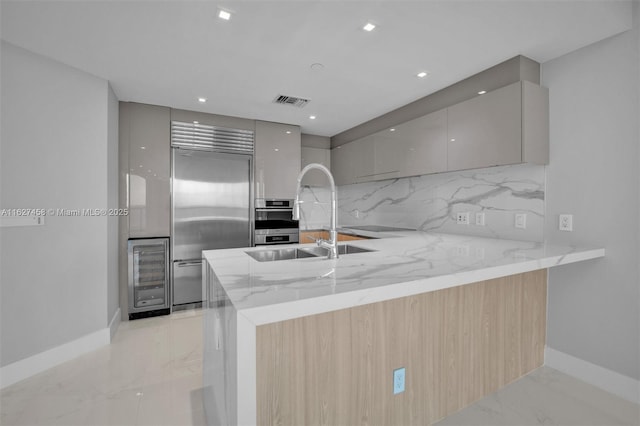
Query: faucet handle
x=311, y=237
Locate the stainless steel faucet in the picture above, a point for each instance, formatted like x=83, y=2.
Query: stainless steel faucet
x=332, y=244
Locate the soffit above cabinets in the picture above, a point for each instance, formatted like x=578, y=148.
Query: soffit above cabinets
x=172, y=53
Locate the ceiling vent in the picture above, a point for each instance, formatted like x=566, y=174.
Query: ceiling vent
x=291, y=100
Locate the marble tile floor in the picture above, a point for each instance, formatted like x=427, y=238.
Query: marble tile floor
x=151, y=374
x=547, y=397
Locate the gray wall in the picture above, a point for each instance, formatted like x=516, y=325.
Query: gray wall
x=594, y=174
x=54, y=138
x=112, y=200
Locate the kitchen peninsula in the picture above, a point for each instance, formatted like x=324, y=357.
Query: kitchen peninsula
x=316, y=341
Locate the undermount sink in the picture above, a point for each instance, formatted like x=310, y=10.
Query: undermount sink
x=279, y=254
x=342, y=249
x=272, y=255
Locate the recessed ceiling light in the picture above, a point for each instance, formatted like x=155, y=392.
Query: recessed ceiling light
x=423, y=74
x=223, y=14
x=392, y=130
x=288, y=132
x=202, y=100
x=196, y=122
x=143, y=147
x=312, y=117
x=276, y=149
x=453, y=140
x=482, y=92
x=369, y=27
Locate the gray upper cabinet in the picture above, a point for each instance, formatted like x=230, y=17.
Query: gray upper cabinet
x=145, y=130
x=535, y=123
x=509, y=125
x=422, y=142
x=277, y=159
x=486, y=130
x=416, y=147
x=319, y=156
x=353, y=162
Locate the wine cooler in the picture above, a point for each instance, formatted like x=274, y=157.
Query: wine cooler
x=148, y=277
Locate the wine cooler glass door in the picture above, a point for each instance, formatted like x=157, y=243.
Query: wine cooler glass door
x=149, y=277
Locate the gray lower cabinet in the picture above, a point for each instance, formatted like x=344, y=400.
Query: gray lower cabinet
x=145, y=130
x=277, y=159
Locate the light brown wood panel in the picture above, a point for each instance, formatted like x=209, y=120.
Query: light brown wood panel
x=457, y=345
x=349, y=237
x=310, y=236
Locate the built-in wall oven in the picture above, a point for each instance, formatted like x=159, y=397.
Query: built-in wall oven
x=274, y=222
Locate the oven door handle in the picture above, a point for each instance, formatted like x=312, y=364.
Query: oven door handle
x=273, y=210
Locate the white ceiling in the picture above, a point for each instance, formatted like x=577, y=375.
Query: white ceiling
x=171, y=52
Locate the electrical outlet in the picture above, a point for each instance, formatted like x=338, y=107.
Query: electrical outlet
x=521, y=221
x=398, y=380
x=356, y=213
x=462, y=250
x=565, y=222
x=462, y=218
x=480, y=219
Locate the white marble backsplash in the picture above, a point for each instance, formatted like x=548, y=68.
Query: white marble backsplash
x=431, y=202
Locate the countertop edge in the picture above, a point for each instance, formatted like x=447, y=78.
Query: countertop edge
x=305, y=307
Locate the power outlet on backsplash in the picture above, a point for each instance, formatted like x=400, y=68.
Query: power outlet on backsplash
x=462, y=218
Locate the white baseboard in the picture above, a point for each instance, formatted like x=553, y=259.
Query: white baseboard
x=20, y=370
x=114, y=324
x=615, y=383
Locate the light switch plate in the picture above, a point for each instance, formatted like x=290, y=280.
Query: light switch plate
x=480, y=219
x=521, y=221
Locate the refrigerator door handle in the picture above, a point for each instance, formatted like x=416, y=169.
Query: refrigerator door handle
x=182, y=264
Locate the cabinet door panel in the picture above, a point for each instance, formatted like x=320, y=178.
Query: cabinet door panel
x=363, y=159
x=353, y=162
x=388, y=154
x=148, y=133
x=315, y=155
x=423, y=144
x=486, y=130
x=340, y=160
x=277, y=159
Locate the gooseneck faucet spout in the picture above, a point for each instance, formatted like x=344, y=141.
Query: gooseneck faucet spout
x=332, y=244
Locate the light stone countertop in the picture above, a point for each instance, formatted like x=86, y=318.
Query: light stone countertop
x=403, y=264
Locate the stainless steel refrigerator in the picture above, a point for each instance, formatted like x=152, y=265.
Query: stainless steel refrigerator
x=211, y=209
